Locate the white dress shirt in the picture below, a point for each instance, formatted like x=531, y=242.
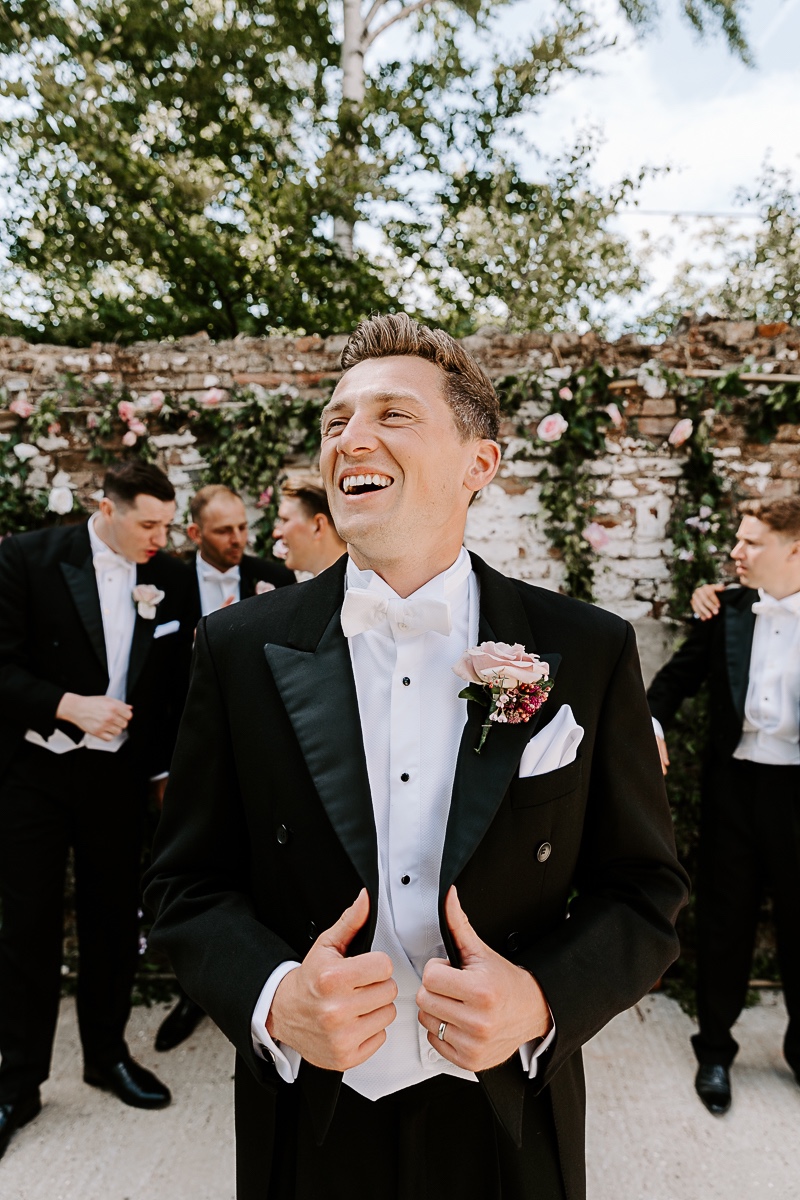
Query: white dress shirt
x=116, y=579
x=216, y=586
x=771, y=731
x=412, y=720
x=771, y=728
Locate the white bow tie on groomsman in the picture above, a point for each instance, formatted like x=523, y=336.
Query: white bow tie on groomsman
x=108, y=560
x=212, y=575
x=363, y=610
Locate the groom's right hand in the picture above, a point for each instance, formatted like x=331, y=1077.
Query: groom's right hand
x=334, y=1010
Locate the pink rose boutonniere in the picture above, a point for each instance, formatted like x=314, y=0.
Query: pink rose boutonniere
x=507, y=680
x=147, y=597
x=263, y=586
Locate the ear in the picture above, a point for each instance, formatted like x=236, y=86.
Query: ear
x=484, y=465
x=107, y=507
x=320, y=524
x=193, y=533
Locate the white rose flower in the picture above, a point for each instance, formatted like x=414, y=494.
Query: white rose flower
x=60, y=501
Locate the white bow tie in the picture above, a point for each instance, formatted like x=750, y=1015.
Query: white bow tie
x=768, y=606
x=363, y=610
x=212, y=575
x=107, y=560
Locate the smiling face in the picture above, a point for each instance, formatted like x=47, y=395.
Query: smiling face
x=766, y=558
x=399, y=476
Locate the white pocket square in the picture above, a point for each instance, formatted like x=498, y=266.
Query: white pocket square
x=166, y=628
x=552, y=747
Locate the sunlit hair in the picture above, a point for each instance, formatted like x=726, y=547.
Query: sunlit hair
x=467, y=388
x=312, y=497
x=124, y=481
x=782, y=516
x=203, y=497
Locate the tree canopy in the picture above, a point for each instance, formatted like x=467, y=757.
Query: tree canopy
x=182, y=165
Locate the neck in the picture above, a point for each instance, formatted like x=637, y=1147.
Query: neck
x=327, y=556
x=103, y=529
x=407, y=575
x=781, y=590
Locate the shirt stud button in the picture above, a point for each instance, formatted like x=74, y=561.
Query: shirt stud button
x=405, y=777
x=405, y=879
x=282, y=834
x=406, y=681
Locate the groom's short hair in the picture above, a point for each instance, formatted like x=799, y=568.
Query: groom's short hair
x=124, y=481
x=782, y=516
x=467, y=389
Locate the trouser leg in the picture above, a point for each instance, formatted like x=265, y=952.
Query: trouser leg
x=730, y=882
x=779, y=810
x=109, y=825
x=34, y=839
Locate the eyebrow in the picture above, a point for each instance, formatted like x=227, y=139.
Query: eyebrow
x=378, y=398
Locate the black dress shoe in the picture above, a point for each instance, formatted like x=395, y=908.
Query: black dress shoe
x=131, y=1083
x=179, y=1024
x=713, y=1086
x=16, y=1114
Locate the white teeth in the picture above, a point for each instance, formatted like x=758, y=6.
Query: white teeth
x=354, y=481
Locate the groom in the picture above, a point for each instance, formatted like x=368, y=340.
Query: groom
x=406, y=941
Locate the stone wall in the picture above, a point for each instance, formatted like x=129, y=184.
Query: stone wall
x=636, y=478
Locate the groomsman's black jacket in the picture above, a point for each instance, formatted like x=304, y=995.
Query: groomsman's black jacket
x=717, y=650
x=268, y=834
x=51, y=642
x=251, y=571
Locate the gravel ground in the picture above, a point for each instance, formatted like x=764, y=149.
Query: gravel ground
x=649, y=1138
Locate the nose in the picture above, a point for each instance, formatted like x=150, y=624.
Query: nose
x=358, y=436
x=162, y=536
x=736, y=552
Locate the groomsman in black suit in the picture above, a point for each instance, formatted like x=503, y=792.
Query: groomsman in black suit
x=749, y=652
x=223, y=574
x=397, y=1038
x=96, y=630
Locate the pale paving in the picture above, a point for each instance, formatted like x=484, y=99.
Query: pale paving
x=648, y=1136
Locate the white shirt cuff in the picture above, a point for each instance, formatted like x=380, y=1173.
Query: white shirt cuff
x=659, y=728
x=158, y=778
x=531, y=1052
x=286, y=1060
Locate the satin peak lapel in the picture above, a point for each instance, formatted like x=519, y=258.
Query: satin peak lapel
x=319, y=693
x=142, y=636
x=740, y=623
x=82, y=583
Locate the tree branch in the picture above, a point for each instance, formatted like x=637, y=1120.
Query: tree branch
x=398, y=16
x=373, y=12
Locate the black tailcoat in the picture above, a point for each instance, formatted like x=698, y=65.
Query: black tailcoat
x=252, y=570
x=717, y=650
x=268, y=834
x=51, y=642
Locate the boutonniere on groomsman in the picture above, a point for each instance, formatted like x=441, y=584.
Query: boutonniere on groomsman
x=96, y=628
x=408, y=942
x=746, y=646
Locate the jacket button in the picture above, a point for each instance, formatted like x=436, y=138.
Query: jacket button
x=282, y=834
x=544, y=852
x=512, y=942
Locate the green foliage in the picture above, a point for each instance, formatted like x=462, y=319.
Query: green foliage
x=568, y=487
x=771, y=407
x=702, y=520
x=174, y=167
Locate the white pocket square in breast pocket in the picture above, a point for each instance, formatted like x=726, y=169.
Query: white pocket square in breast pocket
x=167, y=628
x=552, y=747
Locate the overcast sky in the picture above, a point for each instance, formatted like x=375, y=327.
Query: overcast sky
x=672, y=100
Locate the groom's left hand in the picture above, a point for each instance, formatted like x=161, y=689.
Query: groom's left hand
x=491, y=1007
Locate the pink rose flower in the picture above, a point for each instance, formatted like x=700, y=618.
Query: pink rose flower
x=681, y=433
x=146, y=597
x=126, y=410
x=129, y=438
x=614, y=414
x=279, y=548
x=54, y=428
x=493, y=662
x=154, y=402
x=596, y=536
x=552, y=427
x=212, y=397
x=91, y=421
x=265, y=499
x=138, y=427
x=22, y=408
x=263, y=586
x=565, y=393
